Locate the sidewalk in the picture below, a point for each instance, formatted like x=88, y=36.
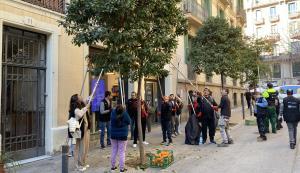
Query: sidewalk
x=99, y=160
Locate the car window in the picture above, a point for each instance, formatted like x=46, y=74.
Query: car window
x=296, y=89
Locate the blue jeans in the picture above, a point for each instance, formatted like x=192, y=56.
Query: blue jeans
x=102, y=126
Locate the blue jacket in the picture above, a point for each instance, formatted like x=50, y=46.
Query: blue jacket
x=119, y=131
x=261, y=106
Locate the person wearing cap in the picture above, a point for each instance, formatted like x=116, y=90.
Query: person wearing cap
x=271, y=95
x=291, y=115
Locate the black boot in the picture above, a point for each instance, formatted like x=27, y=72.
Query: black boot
x=292, y=146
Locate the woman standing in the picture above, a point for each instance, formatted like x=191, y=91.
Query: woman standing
x=119, y=131
x=78, y=110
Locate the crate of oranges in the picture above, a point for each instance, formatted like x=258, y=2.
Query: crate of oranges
x=162, y=159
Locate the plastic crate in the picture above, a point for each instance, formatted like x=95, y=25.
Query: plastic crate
x=155, y=162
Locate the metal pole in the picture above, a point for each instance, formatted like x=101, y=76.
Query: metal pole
x=65, y=159
x=95, y=87
x=191, y=103
x=158, y=79
x=82, y=87
x=121, y=90
x=243, y=106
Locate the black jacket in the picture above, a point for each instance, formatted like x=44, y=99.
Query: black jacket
x=291, y=111
x=132, y=108
x=225, y=106
x=166, y=111
x=105, y=117
x=205, y=106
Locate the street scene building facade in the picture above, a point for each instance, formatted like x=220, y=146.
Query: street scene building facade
x=278, y=22
x=41, y=69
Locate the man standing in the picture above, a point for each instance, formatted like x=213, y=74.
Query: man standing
x=132, y=108
x=179, y=106
x=248, y=96
x=104, y=119
x=291, y=116
x=166, y=116
x=206, y=107
x=271, y=95
x=173, y=105
x=224, y=119
x=260, y=112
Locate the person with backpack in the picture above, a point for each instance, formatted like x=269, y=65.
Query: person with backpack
x=271, y=95
x=120, y=121
x=224, y=119
x=206, y=108
x=104, y=118
x=291, y=115
x=260, y=112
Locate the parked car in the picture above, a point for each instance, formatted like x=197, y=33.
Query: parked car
x=282, y=91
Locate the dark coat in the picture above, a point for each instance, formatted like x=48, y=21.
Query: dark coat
x=291, y=111
x=225, y=106
x=132, y=107
x=204, y=106
x=166, y=111
x=119, y=130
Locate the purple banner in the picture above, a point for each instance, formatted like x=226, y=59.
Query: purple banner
x=99, y=94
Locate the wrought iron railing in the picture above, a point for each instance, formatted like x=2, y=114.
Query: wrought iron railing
x=54, y=5
x=192, y=6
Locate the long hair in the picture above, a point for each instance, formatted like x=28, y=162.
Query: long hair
x=119, y=112
x=74, y=103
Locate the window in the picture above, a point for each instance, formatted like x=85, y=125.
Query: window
x=234, y=81
x=292, y=7
x=276, y=71
x=296, y=69
x=258, y=15
x=273, y=12
x=208, y=78
x=274, y=29
x=187, y=47
x=221, y=13
x=295, y=47
x=259, y=32
x=257, y=1
x=275, y=50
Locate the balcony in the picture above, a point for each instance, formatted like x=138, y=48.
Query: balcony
x=260, y=21
x=54, y=5
x=274, y=18
x=195, y=12
x=273, y=37
x=295, y=34
x=294, y=15
x=265, y=3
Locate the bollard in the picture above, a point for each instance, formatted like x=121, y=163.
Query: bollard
x=65, y=159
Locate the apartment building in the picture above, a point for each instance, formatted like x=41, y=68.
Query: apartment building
x=277, y=21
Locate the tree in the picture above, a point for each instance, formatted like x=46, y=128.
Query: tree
x=251, y=60
x=138, y=36
x=216, y=47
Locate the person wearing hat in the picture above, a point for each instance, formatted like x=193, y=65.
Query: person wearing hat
x=271, y=95
x=291, y=115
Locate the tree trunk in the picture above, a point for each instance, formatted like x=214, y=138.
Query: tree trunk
x=139, y=123
x=222, y=80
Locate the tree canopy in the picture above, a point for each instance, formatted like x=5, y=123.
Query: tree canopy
x=216, y=48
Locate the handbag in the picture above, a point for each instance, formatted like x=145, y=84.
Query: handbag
x=75, y=132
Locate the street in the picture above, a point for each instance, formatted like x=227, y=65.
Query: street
x=246, y=155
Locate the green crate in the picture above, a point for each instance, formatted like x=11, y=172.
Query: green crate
x=166, y=161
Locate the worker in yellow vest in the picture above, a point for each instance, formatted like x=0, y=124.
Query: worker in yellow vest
x=271, y=95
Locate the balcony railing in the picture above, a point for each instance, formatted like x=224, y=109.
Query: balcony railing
x=273, y=37
x=265, y=3
x=260, y=21
x=294, y=15
x=54, y=5
x=194, y=10
x=295, y=34
x=274, y=18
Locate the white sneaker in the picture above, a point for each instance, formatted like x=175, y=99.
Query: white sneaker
x=80, y=168
x=134, y=145
x=146, y=143
x=86, y=166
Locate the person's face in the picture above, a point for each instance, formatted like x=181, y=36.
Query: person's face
x=206, y=92
x=223, y=92
x=133, y=95
x=166, y=98
x=171, y=97
x=80, y=99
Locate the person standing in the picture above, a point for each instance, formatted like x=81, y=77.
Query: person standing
x=132, y=107
x=144, y=115
x=119, y=131
x=279, y=119
x=260, y=112
x=291, y=115
x=166, y=118
x=248, y=96
x=270, y=95
x=104, y=118
x=179, y=107
x=78, y=110
x=207, y=106
x=225, y=117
